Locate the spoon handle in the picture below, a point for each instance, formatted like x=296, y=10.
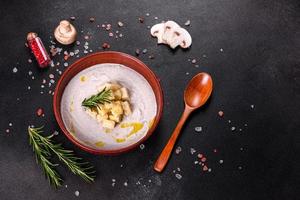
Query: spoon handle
x=165, y=154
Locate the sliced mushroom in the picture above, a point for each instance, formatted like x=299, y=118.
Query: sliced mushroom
x=157, y=31
x=65, y=33
x=175, y=39
x=170, y=26
x=172, y=34
x=186, y=38
x=180, y=36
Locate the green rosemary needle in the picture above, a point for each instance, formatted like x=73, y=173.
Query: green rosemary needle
x=100, y=98
x=43, y=146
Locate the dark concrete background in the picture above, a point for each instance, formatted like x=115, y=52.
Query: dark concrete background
x=259, y=66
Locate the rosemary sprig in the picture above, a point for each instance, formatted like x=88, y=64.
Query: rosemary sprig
x=100, y=98
x=43, y=146
x=42, y=156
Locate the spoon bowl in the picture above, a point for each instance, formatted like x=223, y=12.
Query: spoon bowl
x=196, y=95
x=198, y=90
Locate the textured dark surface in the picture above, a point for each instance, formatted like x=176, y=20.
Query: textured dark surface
x=259, y=66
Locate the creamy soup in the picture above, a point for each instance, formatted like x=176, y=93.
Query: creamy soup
x=89, y=131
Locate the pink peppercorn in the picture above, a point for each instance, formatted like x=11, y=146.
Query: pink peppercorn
x=39, y=112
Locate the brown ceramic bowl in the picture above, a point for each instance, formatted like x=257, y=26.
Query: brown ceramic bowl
x=98, y=58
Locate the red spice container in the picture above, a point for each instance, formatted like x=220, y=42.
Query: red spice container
x=38, y=49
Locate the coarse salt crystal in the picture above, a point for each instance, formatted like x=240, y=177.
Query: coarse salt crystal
x=120, y=24
x=142, y=146
x=221, y=113
x=192, y=150
x=55, y=133
x=76, y=193
x=198, y=129
x=200, y=155
x=187, y=23
x=178, y=150
x=178, y=176
x=108, y=27
x=15, y=70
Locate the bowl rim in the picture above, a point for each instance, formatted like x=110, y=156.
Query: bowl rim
x=57, y=101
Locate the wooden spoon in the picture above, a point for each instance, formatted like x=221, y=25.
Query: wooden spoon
x=195, y=95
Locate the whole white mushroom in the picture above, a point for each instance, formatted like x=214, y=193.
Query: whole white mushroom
x=65, y=33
